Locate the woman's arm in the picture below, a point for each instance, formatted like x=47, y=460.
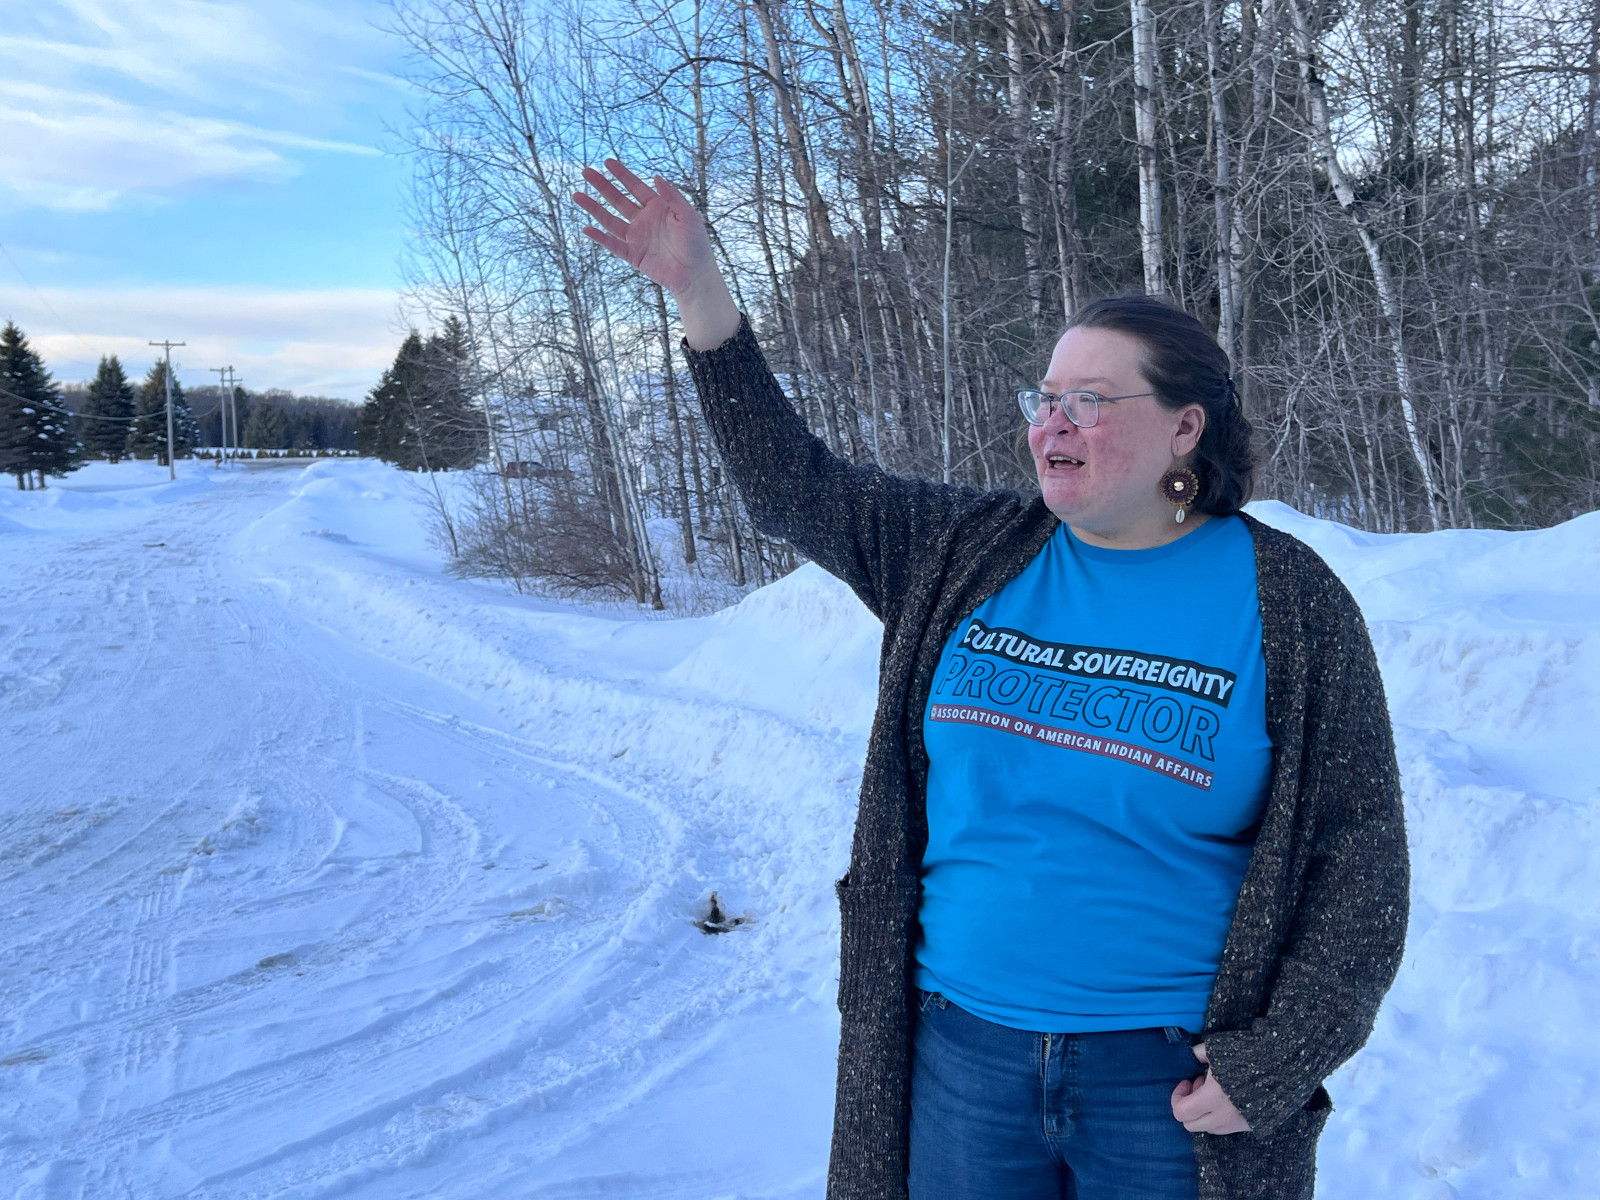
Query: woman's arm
x=856, y=522
x=1347, y=933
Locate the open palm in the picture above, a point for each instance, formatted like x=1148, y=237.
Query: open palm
x=654, y=229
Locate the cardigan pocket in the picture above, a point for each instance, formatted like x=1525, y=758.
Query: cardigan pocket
x=1317, y=1110
x=1278, y=1165
x=874, y=936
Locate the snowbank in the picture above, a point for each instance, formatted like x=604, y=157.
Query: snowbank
x=681, y=757
x=808, y=626
x=1479, y=1079
x=101, y=494
x=1475, y=1080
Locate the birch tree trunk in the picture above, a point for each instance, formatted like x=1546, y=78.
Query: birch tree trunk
x=1144, y=113
x=817, y=217
x=669, y=388
x=1222, y=178
x=1388, y=296
x=1063, y=163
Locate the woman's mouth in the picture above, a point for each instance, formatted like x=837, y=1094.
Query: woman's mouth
x=1063, y=462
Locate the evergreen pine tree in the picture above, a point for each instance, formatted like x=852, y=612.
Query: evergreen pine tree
x=386, y=428
x=147, y=436
x=454, y=430
x=419, y=415
x=36, y=439
x=243, y=406
x=267, y=428
x=108, y=408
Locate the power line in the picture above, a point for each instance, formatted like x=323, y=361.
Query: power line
x=23, y=276
x=57, y=408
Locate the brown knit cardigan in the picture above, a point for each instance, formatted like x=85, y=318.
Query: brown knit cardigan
x=1320, y=924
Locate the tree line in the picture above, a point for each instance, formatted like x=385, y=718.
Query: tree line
x=47, y=428
x=1388, y=209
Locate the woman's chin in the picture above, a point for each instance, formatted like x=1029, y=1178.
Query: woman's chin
x=1067, y=498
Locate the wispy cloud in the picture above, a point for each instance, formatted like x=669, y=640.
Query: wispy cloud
x=104, y=103
x=76, y=151
x=332, y=341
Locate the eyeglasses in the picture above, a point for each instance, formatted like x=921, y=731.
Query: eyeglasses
x=1082, y=408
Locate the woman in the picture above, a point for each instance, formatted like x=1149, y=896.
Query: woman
x=1129, y=875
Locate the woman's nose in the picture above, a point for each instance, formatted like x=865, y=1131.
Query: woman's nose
x=1057, y=421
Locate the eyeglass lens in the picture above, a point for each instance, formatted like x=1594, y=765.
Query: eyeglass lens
x=1082, y=408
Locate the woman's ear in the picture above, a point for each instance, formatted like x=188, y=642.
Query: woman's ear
x=1191, y=424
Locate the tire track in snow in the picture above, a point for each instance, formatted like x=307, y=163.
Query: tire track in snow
x=626, y=1020
x=503, y=1018
x=348, y=1074
x=425, y=1010
x=144, y=1018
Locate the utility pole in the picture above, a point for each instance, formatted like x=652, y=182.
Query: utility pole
x=233, y=407
x=222, y=412
x=225, y=379
x=166, y=346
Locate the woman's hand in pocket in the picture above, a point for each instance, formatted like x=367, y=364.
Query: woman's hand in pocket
x=1203, y=1106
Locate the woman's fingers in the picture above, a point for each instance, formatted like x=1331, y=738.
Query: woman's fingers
x=617, y=247
x=613, y=224
x=1203, y=1107
x=609, y=190
x=663, y=236
x=669, y=192
x=639, y=188
x=1184, y=1104
x=1193, y=1112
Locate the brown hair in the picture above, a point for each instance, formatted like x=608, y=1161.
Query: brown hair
x=1185, y=365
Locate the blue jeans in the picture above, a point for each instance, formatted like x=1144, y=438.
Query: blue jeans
x=1002, y=1114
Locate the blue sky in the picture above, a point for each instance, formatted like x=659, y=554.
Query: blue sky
x=210, y=171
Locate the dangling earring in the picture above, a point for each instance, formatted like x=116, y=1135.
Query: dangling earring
x=1180, y=486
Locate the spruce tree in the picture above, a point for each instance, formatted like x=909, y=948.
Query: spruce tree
x=267, y=428
x=386, y=428
x=243, y=406
x=147, y=436
x=36, y=439
x=454, y=430
x=419, y=416
x=108, y=410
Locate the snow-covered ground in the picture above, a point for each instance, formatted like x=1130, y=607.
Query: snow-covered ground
x=324, y=873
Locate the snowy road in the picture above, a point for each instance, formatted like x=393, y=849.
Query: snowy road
x=282, y=917
x=323, y=873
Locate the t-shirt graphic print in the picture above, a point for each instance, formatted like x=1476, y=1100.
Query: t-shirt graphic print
x=1098, y=758
x=1004, y=679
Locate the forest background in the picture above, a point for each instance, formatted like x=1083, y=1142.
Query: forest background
x=1388, y=209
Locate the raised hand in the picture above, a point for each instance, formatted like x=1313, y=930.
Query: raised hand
x=657, y=231
x=651, y=228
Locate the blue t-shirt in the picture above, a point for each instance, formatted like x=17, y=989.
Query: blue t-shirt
x=1099, y=761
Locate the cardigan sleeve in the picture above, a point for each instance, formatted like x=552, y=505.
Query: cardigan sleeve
x=1346, y=935
x=856, y=522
